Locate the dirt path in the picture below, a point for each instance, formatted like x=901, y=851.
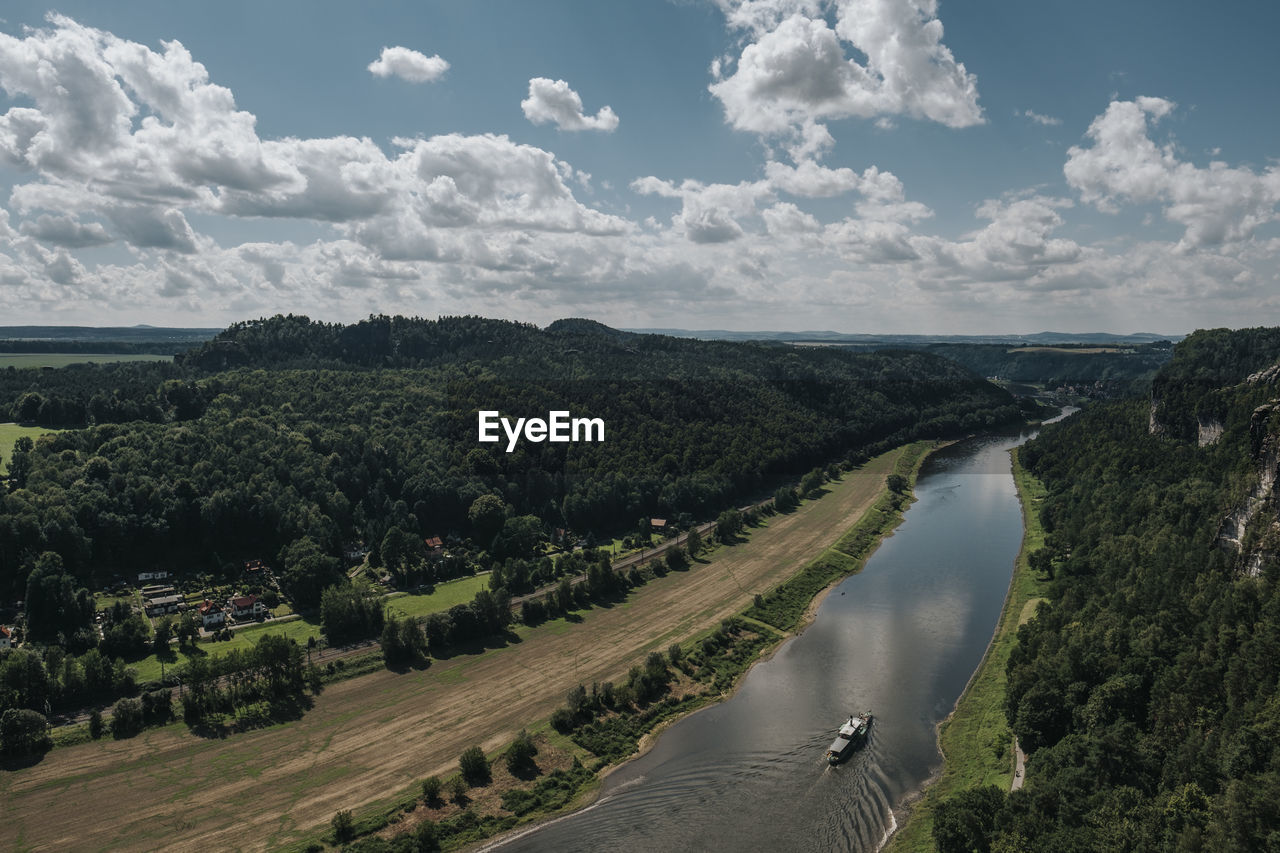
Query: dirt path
x=371, y=737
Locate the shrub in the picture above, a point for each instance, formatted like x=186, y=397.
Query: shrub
x=23, y=731
x=521, y=752
x=126, y=718
x=431, y=789
x=95, y=724
x=474, y=766
x=344, y=828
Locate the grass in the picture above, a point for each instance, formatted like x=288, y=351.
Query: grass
x=976, y=743
x=391, y=727
x=444, y=596
x=784, y=606
x=22, y=360
x=148, y=668
x=9, y=433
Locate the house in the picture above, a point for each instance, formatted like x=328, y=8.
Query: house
x=435, y=546
x=254, y=568
x=658, y=525
x=162, y=604
x=211, y=615
x=246, y=607
x=152, y=576
x=6, y=637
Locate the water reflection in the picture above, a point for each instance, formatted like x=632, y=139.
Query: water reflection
x=901, y=639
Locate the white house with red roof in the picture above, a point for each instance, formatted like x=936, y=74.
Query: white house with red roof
x=246, y=607
x=212, y=615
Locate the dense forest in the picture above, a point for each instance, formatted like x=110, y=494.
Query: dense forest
x=289, y=439
x=1125, y=368
x=1145, y=690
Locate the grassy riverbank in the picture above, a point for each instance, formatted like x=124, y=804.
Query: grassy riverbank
x=976, y=743
x=711, y=664
x=377, y=736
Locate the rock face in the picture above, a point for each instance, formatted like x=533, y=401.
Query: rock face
x=1209, y=430
x=1265, y=449
x=1153, y=422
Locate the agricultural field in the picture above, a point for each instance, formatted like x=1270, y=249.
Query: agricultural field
x=20, y=360
x=371, y=738
x=9, y=433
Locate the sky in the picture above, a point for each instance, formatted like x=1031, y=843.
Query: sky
x=873, y=166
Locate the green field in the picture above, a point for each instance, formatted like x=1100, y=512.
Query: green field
x=62, y=359
x=446, y=595
x=299, y=629
x=9, y=433
x=977, y=745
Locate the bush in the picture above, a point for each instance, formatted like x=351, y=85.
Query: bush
x=126, y=718
x=475, y=767
x=521, y=752
x=95, y=724
x=23, y=732
x=344, y=828
x=431, y=789
x=562, y=720
x=458, y=789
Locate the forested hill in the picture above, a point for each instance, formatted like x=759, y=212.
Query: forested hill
x=285, y=433
x=1121, y=367
x=1145, y=690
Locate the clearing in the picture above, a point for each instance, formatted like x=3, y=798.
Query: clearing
x=369, y=738
x=9, y=433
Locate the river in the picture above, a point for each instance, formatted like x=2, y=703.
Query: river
x=900, y=639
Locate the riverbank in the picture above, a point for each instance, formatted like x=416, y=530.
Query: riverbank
x=786, y=609
x=369, y=741
x=975, y=740
x=712, y=663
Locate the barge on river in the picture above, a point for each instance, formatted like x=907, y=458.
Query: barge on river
x=851, y=735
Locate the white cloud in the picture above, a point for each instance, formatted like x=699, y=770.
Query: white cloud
x=1216, y=205
x=1038, y=118
x=796, y=70
x=65, y=232
x=409, y=65
x=552, y=101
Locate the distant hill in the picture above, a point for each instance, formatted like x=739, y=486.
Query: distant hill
x=154, y=340
x=889, y=340
x=132, y=334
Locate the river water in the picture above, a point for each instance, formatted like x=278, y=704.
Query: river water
x=900, y=639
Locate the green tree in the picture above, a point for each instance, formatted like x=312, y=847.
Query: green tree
x=95, y=724
x=160, y=642
x=896, y=483
x=308, y=571
x=693, y=542
x=56, y=609
x=520, y=754
x=487, y=514
x=474, y=766
x=23, y=731
x=431, y=790
x=344, y=828
x=964, y=822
